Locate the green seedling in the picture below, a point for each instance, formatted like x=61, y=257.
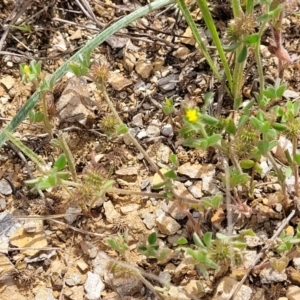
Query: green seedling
x=286, y=242
x=120, y=243
x=53, y=178
x=168, y=107
x=151, y=248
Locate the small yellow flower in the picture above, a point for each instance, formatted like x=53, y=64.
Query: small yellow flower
x=192, y=115
x=169, y=102
x=26, y=70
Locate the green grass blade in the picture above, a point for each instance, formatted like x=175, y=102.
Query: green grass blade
x=186, y=13
x=91, y=45
x=213, y=31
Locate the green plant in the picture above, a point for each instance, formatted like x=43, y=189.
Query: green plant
x=151, y=248
x=209, y=253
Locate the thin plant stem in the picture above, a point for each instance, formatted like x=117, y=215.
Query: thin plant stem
x=280, y=175
x=295, y=167
x=258, y=61
x=213, y=31
x=27, y=151
x=129, y=192
x=69, y=156
x=236, y=8
x=47, y=123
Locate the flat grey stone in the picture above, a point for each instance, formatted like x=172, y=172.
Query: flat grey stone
x=5, y=188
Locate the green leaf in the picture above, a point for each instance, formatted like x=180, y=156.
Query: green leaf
x=279, y=127
x=122, y=129
x=152, y=238
x=36, y=116
x=242, y=55
x=231, y=47
x=280, y=91
x=247, y=163
x=252, y=39
x=264, y=17
x=159, y=186
x=297, y=159
x=212, y=140
x=182, y=241
x=197, y=240
x=209, y=120
x=207, y=238
x=230, y=126
x=174, y=160
x=237, y=102
x=171, y=174
x=255, y=122
x=61, y=162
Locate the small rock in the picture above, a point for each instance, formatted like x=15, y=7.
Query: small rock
x=210, y=186
x=31, y=226
x=226, y=287
x=176, y=293
x=142, y=134
x=153, y=130
x=143, y=185
x=43, y=294
x=296, y=263
x=129, y=208
x=192, y=288
x=293, y=292
x=156, y=180
x=268, y=275
x=93, y=286
x=149, y=220
x=110, y=213
x=82, y=265
x=6, y=267
x=181, y=53
x=126, y=285
x=128, y=171
x=197, y=171
x=293, y=275
x=160, y=153
x=73, y=213
x=5, y=188
x=2, y=204
x=36, y=240
x=8, y=81
x=144, y=69
x=137, y=120
x=196, y=190
x=168, y=83
x=167, y=130
x=74, y=292
x=73, y=279
x=188, y=37
x=76, y=35
x=118, y=82
x=186, y=267
x=174, y=210
x=167, y=225
x=290, y=94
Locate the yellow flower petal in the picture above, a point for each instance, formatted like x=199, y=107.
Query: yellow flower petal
x=191, y=115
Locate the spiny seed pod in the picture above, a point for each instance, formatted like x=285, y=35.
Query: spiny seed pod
x=241, y=26
x=100, y=72
x=109, y=124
